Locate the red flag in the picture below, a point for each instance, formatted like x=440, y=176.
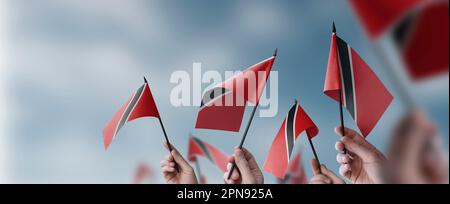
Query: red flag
x=378, y=16
x=141, y=104
x=200, y=148
x=223, y=106
x=295, y=123
x=419, y=29
x=295, y=173
x=363, y=94
x=142, y=173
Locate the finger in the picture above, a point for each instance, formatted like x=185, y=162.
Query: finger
x=320, y=179
x=229, y=165
x=166, y=146
x=242, y=163
x=359, y=146
x=235, y=175
x=345, y=170
x=339, y=146
x=163, y=163
x=184, y=165
x=226, y=180
x=250, y=158
x=334, y=178
x=343, y=158
x=315, y=167
x=348, y=132
x=169, y=157
x=168, y=169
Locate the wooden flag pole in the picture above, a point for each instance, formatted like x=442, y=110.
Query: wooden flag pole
x=244, y=136
x=165, y=135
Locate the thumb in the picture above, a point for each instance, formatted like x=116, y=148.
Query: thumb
x=178, y=158
x=336, y=179
x=241, y=162
x=315, y=167
x=360, y=147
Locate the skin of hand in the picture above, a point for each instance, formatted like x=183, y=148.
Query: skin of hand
x=363, y=163
x=415, y=154
x=247, y=170
x=202, y=179
x=322, y=175
x=185, y=173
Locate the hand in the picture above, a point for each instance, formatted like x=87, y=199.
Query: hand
x=415, y=155
x=203, y=179
x=184, y=175
x=247, y=170
x=363, y=163
x=322, y=175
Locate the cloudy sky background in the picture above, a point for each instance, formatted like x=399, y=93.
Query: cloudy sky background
x=69, y=65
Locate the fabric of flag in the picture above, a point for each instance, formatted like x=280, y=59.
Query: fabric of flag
x=363, y=94
x=141, y=104
x=418, y=28
x=223, y=106
x=280, y=152
x=143, y=173
x=199, y=148
x=295, y=173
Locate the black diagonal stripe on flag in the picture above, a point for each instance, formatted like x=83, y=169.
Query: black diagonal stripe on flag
x=204, y=149
x=402, y=32
x=290, y=125
x=130, y=107
x=346, y=75
x=211, y=95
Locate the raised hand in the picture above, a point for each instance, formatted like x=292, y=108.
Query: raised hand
x=179, y=173
x=363, y=163
x=322, y=175
x=247, y=170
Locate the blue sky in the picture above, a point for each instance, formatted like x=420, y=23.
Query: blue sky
x=73, y=63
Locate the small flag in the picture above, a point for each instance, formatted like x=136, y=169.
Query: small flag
x=363, y=94
x=200, y=148
x=217, y=113
x=293, y=125
x=143, y=172
x=141, y=104
x=418, y=28
x=295, y=173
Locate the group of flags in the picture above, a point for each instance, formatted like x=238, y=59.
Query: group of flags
x=349, y=80
x=418, y=28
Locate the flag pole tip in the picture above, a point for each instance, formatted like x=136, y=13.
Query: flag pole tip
x=334, y=28
x=276, y=52
x=295, y=101
x=145, y=80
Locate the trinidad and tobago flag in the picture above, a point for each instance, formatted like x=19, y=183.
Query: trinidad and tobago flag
x=418, y=28
x=295, y=123
x=363, y=94
x=200, y=148
x=295, y=173
x=140, y=104
x=223, y=106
